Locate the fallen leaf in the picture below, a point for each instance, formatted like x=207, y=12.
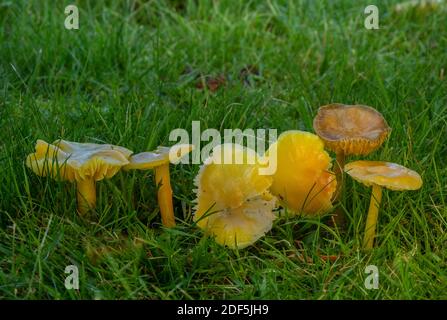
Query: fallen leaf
x=331, y=258
x=212, y=83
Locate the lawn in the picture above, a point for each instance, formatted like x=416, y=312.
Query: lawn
x=135, y=70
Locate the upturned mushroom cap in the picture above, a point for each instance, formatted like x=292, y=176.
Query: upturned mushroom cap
x=351, y=129
x=233, y=201
x=77, y=161
x=302, y=181
x=162, y=155
x=385, y=174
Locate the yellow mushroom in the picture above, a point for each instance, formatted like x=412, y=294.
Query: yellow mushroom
x=83, y=163
x=302, y=181
x=233, y=201
x=380, y=174
x=349, y=130
x=159, y=160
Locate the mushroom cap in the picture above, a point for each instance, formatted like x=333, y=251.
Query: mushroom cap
x=162, y=155
x=238, y=227
x=385, y=174
x=302, y=180
x=75, y=161
x=231, y=184
x=233, y=201
x=352, y=129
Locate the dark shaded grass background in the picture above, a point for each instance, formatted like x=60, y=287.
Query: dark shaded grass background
x=128, y=76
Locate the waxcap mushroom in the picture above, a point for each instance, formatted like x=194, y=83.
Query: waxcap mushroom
x=351, y=129
x=233, y=201
x=380, y=174
x=389, y=175
x=83, y=163
x=303, y=181
x=162, y=155
x=159, y=160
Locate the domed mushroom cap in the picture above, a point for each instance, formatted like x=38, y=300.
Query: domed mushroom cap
x=351, y=129
x=75, y=161
x=162, y=155
x=302, y=181
x=386, y=174
x=233, y=202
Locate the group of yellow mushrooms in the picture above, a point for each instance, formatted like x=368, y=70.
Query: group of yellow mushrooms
x=235, y=203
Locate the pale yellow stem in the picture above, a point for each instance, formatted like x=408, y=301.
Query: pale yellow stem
x=339, y=166
x=162, y=179
x=338, y=218
x=371, y=220
x=86, y=195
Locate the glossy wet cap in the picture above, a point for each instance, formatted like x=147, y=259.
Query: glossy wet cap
x=385, y=174
x=351, y=129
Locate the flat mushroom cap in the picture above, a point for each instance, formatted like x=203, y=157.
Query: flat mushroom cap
x=352, y=129
x=302, y=179
x=75, y=161
x=162, y=155
x=233, y=201
x=385, y=174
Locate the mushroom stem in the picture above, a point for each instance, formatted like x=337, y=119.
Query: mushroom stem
x=86, y=195
x=162, y=179
x=339, y=173
x=338, y=218
x=371, y=220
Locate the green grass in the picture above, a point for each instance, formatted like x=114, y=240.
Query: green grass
x=121, y=79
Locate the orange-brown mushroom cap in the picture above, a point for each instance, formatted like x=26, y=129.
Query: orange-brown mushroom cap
x=351, y=129
x=385, y=174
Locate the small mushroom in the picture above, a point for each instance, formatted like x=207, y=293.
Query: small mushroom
x=379, y=174
x=83, y=163
x=302, y=181
x=349, y=130
x=159, y=161
x=233, y=201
